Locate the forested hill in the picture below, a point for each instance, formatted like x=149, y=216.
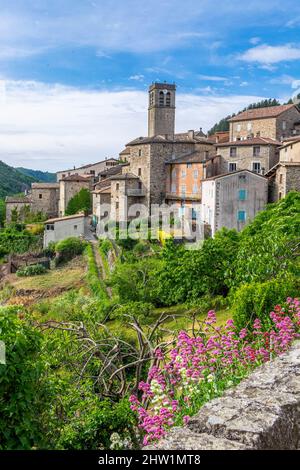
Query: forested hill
x=41, y=176
x=16, y=180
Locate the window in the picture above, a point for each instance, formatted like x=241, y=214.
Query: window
x=249, y=126
x=194, y=214
x=140, y=185
x=92, y=172
x=232, y=167
x=183, y=189
x=140, y=172
x=280, y=196
x=242, y=194
x=196, y=174
x=173, y=188
x=151, y=99
x=50, y=227
x=256, y=167
x=40, y=196
x=140, y=152
x=183, y=173
x=117, y=186
x=280, y=178
x=75, y=227
x=238, y=128
x=233, y=151
x=174, y=173
x=168, y=99
x=195, y=189
x=284, y=125
x=117, y=205
x=241, y=216
x=256, y=151
x=189, y=165
x=161, y=98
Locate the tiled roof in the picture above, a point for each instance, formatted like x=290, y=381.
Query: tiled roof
x=88, y=165
x=67, y=217
x=261, y=113
x=45, y=185
x=18, y=200
x=253, y=141
x=77, y=178
x=114, y=170
x=192, y=157
x=178, y=138
x=125, y=176
x=274, y=168
x=232, y=173
x=126, y=151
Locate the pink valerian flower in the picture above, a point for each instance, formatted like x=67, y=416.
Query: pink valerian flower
x=186, y=419
x=181, y=373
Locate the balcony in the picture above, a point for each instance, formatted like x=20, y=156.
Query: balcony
x=136, y=193
x=183, y=196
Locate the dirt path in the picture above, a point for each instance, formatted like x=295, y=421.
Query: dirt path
x=101, y=271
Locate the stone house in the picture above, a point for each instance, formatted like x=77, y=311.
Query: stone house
x=19, y=204
x=257, y=154
x=92, y=169
x=69, y=187
x=45, y=198
x=232, y=200
x=274, y=122
x=285, y=175
x=58, y=229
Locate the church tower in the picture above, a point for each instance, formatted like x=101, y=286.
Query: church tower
x=161, y=114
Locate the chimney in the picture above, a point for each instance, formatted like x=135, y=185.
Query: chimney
x=191, y=134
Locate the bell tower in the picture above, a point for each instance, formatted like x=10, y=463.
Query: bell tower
x=161, y=113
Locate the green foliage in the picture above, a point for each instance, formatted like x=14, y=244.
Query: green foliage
x=105, y=246
x=23, y=391
x=68, y=249
x=2, y=212
x=137, y=281
x=82, y=201
x=95, y=282
x=269, y=246
x=39, y=176
x=16, y=239
x=256, y=300
x=32, y=270
x=12, y=181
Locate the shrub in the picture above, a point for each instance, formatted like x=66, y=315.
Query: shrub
x=105, y=246
x=68, y=249
x=82, y=201
x=32, y=270
x=257, y=299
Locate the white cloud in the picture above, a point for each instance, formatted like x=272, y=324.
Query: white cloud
x=52, y=126
x=138, y=78
x=255, y=41
x=212, y=78
x=265, y=54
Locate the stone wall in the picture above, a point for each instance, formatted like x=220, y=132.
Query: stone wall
x=269, y=156
x=262, y=412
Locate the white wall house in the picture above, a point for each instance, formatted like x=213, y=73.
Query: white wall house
x=64, y=227
x=232, y=200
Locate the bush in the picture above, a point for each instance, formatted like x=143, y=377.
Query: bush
x=32, y=270
x=82, y=201
x=105, y=246
x=68, y=249
x=256, y=300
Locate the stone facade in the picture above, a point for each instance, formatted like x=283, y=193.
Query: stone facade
x=253, y=154
x=45, y=197
x=252, y=124
x=161, y=113
x=17, y=203
x=233, y=200
x=283, y=179
x=261, y=413
x=68, y=188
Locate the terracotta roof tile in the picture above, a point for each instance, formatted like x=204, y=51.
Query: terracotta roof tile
x=261, y=113
x=253, y=141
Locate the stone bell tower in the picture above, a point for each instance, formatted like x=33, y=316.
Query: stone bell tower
x=161, y=114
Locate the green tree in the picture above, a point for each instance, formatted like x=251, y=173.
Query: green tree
x=82, y=201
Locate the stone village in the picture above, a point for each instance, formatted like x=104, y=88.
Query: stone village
x=227, y=178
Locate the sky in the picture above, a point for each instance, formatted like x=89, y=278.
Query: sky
x=74, y=74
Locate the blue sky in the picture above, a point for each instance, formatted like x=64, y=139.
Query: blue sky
x=74, y=74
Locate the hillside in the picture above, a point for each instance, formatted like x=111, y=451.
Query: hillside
x=41, y=176
x=12, y=181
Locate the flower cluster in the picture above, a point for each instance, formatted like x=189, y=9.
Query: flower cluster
x=201, y=367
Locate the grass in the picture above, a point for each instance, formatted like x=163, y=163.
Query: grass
x=66, y=276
